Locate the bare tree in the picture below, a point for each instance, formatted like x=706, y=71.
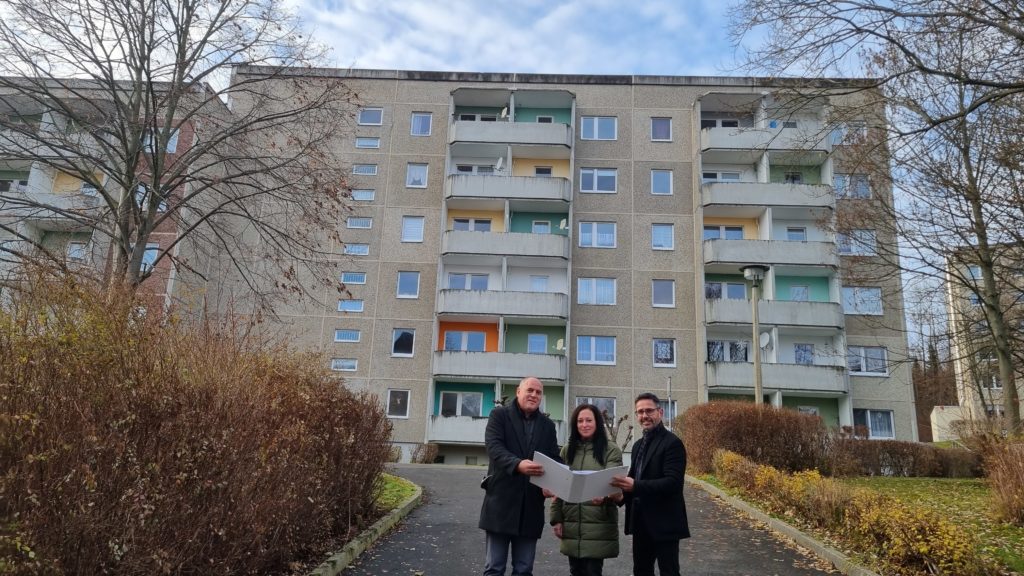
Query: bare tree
x=145, y=104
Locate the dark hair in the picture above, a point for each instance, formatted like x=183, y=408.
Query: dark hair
x=647, y=396
x=600, y=439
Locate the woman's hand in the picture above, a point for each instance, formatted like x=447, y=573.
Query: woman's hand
x=558, y=530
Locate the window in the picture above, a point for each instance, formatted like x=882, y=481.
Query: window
x=538, y=283
x=862, y=300
x=598, y=127
x=7, y=185
x=545, y=119
x=357, y=249
x=412, y=228
x=472, y=224
x=719, y=123
x=420, y=123
x=877, y=422
x=367, y=142
x=974, y=271
x=542, y=171
x=728, y=290
x=149, y=257
x=363, y=195
x=402, y=340
x=416, y=175
x=462, y=404
x=359, y=222
x=541, y=227
x=856, y=243
x=799, y=293
x=536, y=343
x=408, y=284
x=599, y=291
x=803, y=354
x=474, y=168
x=796, y=234
x=346, y=335
x=723, y=232
x=605, y=405
x=661, y=182
x=365, y=169
x=727, y=350
x=595, y=350
x=371, y=116
x=350, y=305
x=809, y=410
x=172, y=142
x=344, y=364
x=466, y=281
x=866, y=360
x=353, y=277
x=464, y=341
x=597, y=234
x=720, y=176
x=398, y=403
x=661, y=129
x=664, y=352
x=470, y=117
x=142, y=198
x=663, y=236
x=598, y=180
x=663, y=293
x=973, y=298
x=793, y=178
x=849, y=132
x=76, y=251
x=851, y=186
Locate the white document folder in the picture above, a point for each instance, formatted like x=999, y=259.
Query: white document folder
x=575, y=487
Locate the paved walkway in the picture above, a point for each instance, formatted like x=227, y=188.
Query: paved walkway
x=441, y=537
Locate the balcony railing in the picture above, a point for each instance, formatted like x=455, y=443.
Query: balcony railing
x=503, y=302
x=795, y=253
x=505, y=244
x=739, y=376
x=469, y=430
x=763, y=139
x=511, y=133
x=508, y=187
x=775, y=313
x=758, y=194
x=499, y=365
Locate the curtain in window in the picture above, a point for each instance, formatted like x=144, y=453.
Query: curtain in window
x=604, y=349
x=881, y=424
x=605, y=291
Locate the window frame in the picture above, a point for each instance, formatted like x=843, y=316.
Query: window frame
x=148, y=261
x=408, y=174
x=856, y=310
x=600, y=402
x=666, y=118
x=359, y=220
x=469, y=276
x=356, y=249
x=408, y=402
x=593, y=348
x=723, y=291
x=412, y=238
x=727, y=347
x=594, y=235
x=398, y=285
x=863, y=359
x=654, y=353
x=472, y=222
x=368, y=142
x=867, y=418
x=671, y=236
x=533, y=226
x=595, y=128
x=78, y=254
x=356, y=310
x=336, y=363
x=459, y=395
x=800, y=231
x=671, y=181
x=594, y=290
x=596, y=177
x=372, y=194
x=338, y=332
x=396, y=334
x=529, y=336
x=797, y=347
x=341, y=278
x=412, y=123
x=672, y=283
x=538, y=174
x=370, y=169
x=464, y=336
x=361, y=122
x=857, y=242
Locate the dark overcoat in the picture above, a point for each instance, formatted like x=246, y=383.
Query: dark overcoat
x=657, y=496
x=512, y=505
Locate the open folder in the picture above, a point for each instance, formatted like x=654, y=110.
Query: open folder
x=575, y=487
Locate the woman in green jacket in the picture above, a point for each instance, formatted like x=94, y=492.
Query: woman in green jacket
x=589, y=530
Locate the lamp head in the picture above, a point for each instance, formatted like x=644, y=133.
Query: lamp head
x=754, y=273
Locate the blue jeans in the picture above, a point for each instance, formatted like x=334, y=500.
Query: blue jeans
x=523, y=552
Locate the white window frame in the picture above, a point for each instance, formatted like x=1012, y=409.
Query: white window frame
x=672, y=283
x=594, y=291
x=596, y=175
x=807, y=293
x=797, y=346
x=722, y=230
x=463, y=340
x=654, y=353
x=410, y=234
x=459, y=395
x=469, y=276
x=852, y=185
x=149, y=257
x=671, y=236
x=172, y=142
x=363, y=194
x=370, y=109
x=541, y=280
x=356, y=249
x=76, y=251
x=357, y=305
x=398, y=284
x=799, y=231
x=600, y=402
x=547, y=119
x=359, y=222
x=409, y=173
x=339, y=364
x=408, y=401
x=394, y=340
x=856, y=301
x=538, y=225
x=472, y=223
x=594, y=235
x=867, y=418
x=593, y=124
x=667, y=118
x=671, y=182
x=859, y=242
x=364, y=169
x=354, y=282
x=710, y=176
x=544, y=349
x=727, y=346
x=412, y=123
x=724, y=286
x=862, y=353
x=538, y=171
x=593, y=348
x=368, y=142
x=339, y=334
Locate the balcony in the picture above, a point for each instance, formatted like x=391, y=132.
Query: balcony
x=54, y=211
x=505, y=244
x=504, y=303
x=758, y=194
x=723, y=140
x=469, y=430
x=508, y=187
x=511, y=133
x=775, y=313
x=449, y=364
x=739, y=376
x=775, y=252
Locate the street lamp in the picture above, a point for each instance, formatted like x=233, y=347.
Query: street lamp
x=754, y=273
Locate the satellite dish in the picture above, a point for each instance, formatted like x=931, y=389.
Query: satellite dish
x=560, y=345
x=499, y=163
x=765, y=340
x=504, y=112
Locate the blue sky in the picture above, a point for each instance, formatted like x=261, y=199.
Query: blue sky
x=663, y=37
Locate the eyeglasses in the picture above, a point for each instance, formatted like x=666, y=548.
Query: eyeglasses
x=646, y=411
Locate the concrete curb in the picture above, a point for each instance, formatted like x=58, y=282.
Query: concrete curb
x=841, y=561
x=342, y=558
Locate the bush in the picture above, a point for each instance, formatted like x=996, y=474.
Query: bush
x=959, y=463
x=425, y=454
x=861, y=457
x=782, y=438
x=132, y=446
x=1004, y=462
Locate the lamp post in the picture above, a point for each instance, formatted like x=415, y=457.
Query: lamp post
x=755, y=274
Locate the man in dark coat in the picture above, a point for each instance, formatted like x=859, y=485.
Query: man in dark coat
x=653, y=493
x=513, y=511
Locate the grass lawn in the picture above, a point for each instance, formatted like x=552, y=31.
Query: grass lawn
x=393, y=491
x=965, y=502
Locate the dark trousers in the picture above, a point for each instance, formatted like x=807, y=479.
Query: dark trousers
x=646, y=550
x=523, y=552
x=586, y=566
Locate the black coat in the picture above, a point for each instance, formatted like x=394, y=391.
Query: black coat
x=657, y=496
x=512, y=505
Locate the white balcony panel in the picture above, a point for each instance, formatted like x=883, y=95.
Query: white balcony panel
x=775, y=313
x=499, y=365
x=763, y=139
x=503, y=302
x=770, y=252
x=471, y=431
x=505, y=244
x=509, y=187
x=512, y=133
x=736, y=376
x=757, y=194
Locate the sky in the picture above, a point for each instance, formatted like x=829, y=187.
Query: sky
x=652, y=37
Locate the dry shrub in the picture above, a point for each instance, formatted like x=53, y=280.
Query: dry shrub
x=861, y=457
x=959, y=463
x=1004, y=462
x=782, y=438
x=131, y=446
x=425, y=454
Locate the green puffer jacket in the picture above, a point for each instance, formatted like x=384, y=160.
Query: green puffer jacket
x=588, y=530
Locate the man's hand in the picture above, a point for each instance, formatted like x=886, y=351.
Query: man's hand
x=529, y=468
x=625, y=483
x=558, y=530
x=547, y=493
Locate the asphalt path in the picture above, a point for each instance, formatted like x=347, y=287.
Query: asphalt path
x=441, y=538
